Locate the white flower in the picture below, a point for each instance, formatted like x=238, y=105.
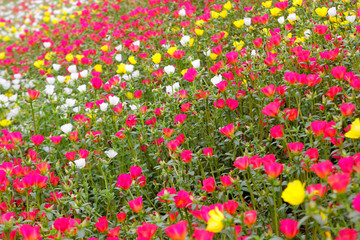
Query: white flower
x=13, y=112
x=84, y=73
x=307, y=33
x=66, y=128
x=169, y=69
x=133, y=107
x=351, y=18
x=68, y=90
x=182, y=12
x=82, y=88
x=56, y=67
x=17, y=76
x=247, y=21
x=72, y=69
x=135, y=74
x=111, y=153
x=104, y=106
x=207, y=53
x=136, y=43
x=129, y=68
x=13, y=98
x=4, y=98
x=215, y=80
x=114, y=100
x=76, y=109
x=172, y=89
x=47, y=44
x=292, y=17
x=184, y=40
x=196, y=63
x=61, y=79
x=253, y=53
x=119, y=48
x=16, y=86
x=332, y=12
x=74, y=76
x=281, y=20
x=70, y=102
x=49, y=89
x=50, y=80
x=118, y=57
x=80, y=163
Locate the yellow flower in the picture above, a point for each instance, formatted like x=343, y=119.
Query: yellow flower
x=294, y=194
x=239, y=23
x=156, y=58
x=191, y=42
x=215, y=223
x=199, y=32
x=46, y=19
x=291, y=10
x=6, y=38
x=121, y=68
x=214, y=15
x=238, y=45
x=69, y=57
x=183, y=72
x=223, y=14
x=199, y=23
x=267, y=4
x=171, y=50
x=129, y=95
x=321, y=11
x=132, y=60
x=39, y=63
x=275, y=11
x=2, y=55
x=79, y=57
x=5, y=123
x=226, y=34
x=297, y=2
x=98, y=68
x=228, y=5
x=213, y=56
x=354, y=132
x=105, y=48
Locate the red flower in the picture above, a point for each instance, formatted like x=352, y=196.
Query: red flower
x=317, y=189
x=37, y=139
x=96, y=82
x=277, y=131
x=290, y=114
x=250, y=218
x=339, y=72
x=273, y=169
x=231, y=206
x=226, y=180
x=182, y=199
x=289, y=228
x=33, y=94
x=318, y=127
x=339, y=182
x=347, y=234
x=322, y=169
x=29, y=232
x=102, y=224
x=295, y=148
x=208, y=152
x=356, y=203
x=124, y=181
x=347, y=109
x=271, y=109
x=121, y=217
x=202, y=234
x=269, y=91
x=136, y=204
x=177, y=231
x=173, y=145
x=232, y=103
x=228, y=130
x=186, y=156
x=242, y=163
x=190, y=74
x=146, y=231
x=231, y=57
x=135, y=172
x=209, y=185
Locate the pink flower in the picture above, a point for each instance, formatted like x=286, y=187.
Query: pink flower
x=190, y=74
x=136, y=204
x=177, y=231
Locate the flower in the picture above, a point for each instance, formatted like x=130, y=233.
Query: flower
x=339, y=182
x=250, y=217
x=215, y=223
x=177, y=231
x=156, y=58
x=136, y=204
x=354, y=132
x=29, y=232
x=146, y=231
x=289, y=228
x=294, y=193
x=102, y=224
x=356, y=203
x=209, y=184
